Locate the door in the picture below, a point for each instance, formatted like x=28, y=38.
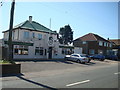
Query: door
x=50, y=53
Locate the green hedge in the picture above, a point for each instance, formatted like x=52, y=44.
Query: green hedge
x=6, y=62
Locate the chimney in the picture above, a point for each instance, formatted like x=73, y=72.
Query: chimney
x=30, y=19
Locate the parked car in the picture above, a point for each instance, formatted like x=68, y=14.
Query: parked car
x=88, y=56
x=111, y=57
x=77, y=57
x=98, y=56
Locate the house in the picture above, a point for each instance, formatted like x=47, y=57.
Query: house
x=31, y=40
x=93, y=44
x=116, y=47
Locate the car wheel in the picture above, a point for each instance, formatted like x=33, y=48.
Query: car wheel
x=89, y=61
x=103, y=59
x=78, y=61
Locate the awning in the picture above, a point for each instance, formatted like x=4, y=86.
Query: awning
x=20, y=43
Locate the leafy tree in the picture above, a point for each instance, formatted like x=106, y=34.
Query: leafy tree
x=66, y=35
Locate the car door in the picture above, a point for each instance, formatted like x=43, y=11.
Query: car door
x=72, y=57
x=76, y=57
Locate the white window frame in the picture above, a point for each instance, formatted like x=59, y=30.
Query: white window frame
x=110, y=45
x=84, y=42
x=33, y=35
x=39, y=36
x=26, y=34
x=100, y=43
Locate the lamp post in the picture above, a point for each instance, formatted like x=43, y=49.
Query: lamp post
x=10, y=45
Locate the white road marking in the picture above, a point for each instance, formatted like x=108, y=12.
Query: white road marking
x=77, y=83
x=117, y=73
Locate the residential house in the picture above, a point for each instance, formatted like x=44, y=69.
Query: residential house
x=31, y=40
x=116, y=47
x=93, y=44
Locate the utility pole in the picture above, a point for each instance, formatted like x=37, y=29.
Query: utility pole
x=50, y=23
x=10, y=45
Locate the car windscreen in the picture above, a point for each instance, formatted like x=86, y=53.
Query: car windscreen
x=82, y=55
x=75, y=55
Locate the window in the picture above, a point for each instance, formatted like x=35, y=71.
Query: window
x=16, y=51
x=91, y=51
x=110, y=44
x=13, y=33
x=26, y=35
x=100, y=51
x=39, y=36
x=21, y=50
x=75, y=55
x=84, y=42
x=33, y=35
x=39, y=51
x=45, y=52
x=63, y=51
x=105, y=44
x=36, y=50
x=100, y=43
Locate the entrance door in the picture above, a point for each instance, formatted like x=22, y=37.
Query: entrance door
x=50, y=52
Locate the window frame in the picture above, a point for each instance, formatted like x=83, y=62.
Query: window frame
x=26, y=34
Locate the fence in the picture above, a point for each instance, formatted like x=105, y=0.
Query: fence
x=3, y=53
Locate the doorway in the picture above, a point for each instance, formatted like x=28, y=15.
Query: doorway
x=50, y=53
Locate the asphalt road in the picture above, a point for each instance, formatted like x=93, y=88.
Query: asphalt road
x=97, y=75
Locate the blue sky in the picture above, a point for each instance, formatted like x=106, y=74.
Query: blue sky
x=84, y=17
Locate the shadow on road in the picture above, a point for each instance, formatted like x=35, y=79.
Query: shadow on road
x=36, y=83
x=91, y=63
x=46, y=60
x=11, y=75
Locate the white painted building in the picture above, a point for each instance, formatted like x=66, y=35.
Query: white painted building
x=32, y=40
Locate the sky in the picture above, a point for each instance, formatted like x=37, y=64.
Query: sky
x=83, y=17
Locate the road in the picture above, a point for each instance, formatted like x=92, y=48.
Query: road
x=100, y=75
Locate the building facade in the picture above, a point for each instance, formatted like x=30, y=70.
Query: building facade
x=32, y=40
x=93, y=44
x=116, y=47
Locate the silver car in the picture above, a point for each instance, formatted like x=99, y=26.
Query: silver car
x=77, y=57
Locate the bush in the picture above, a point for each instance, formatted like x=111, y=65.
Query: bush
x=6, y=62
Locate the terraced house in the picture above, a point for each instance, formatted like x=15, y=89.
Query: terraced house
x=33, y=40
x=93, y=44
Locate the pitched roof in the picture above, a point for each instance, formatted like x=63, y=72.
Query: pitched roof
x=92, y=37
x=33, y=26
x=116, y=41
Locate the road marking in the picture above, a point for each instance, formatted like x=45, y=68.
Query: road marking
x=117, y=73
x=77, y=83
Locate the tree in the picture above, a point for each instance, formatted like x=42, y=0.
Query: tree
x=66, y=35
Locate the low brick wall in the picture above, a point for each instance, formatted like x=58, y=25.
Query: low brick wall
x=10, y=69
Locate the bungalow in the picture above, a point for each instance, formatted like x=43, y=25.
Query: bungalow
x=31, y=40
